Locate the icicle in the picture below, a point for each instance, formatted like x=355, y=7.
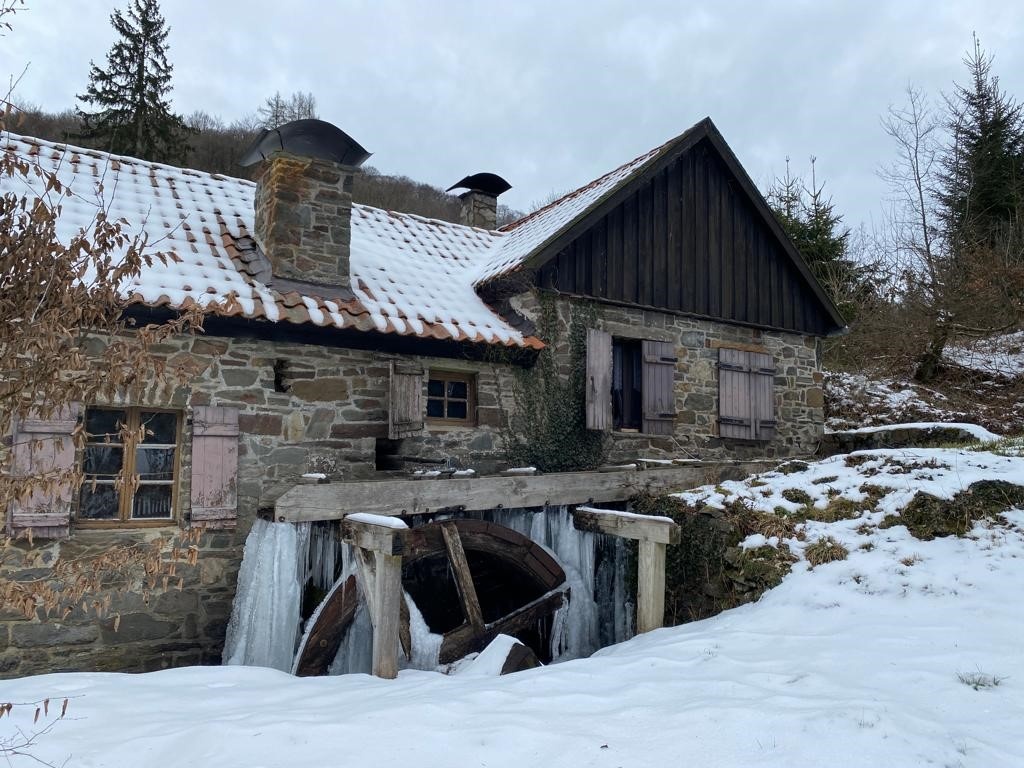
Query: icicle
x=265, y=616
x=356, y=651
x=426, y=646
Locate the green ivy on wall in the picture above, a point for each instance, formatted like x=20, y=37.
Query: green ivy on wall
x=548, y=426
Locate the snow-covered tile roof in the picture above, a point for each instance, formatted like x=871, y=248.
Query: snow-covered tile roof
x=410, y=275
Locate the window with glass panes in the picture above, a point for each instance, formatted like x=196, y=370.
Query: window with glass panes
x=450, y=397
x=129, y=465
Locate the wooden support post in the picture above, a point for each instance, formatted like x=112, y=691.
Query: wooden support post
x=378, y=550
x=389, y=600
x=654, y=534
x=650, y=600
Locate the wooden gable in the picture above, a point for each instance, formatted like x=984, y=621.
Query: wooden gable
x=691, y=235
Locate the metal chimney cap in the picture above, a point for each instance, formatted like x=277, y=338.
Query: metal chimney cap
x=307, y=138
x=488, y=183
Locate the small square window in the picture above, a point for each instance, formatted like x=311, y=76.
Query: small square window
x=450, y=397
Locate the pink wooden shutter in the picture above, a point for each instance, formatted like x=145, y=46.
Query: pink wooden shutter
x=762, y=393
x=44, y=448
x=659, y=387
x=735, y=419
x=405, y=409
x=214, y=466
x=599, y=380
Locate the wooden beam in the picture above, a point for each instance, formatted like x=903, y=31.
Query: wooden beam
x=626, y=525
x=650, y=608
x=334, y=501
x=463, y=577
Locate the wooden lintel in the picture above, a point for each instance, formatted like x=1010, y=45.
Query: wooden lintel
x=333, y=501
x=626, y=525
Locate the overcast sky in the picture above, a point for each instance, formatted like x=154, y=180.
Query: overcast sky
x=553, y=94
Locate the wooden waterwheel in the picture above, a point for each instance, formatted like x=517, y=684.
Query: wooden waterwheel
x=471, y=579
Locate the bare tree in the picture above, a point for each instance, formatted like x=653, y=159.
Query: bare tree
x=947, y=293
x=278, y=110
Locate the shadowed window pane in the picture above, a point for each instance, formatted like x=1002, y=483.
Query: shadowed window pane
x=456, y=409
x=435, y=408
x=103, y=426
x=103, y=460
x=155, y=463
x=457, y=389
x=152, y=501
x=160, y=427
x=435, y=388
x=99, y=503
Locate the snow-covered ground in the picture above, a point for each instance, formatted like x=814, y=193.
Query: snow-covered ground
x=996, y=356
x=860, y=662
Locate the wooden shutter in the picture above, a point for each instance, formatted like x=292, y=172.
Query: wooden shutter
x=214, y=494
x=405, y=408
x=43, y=447
x=599, y=380
x=659, y=387
x=746, y=395
x=734, y=413
x=762, y=394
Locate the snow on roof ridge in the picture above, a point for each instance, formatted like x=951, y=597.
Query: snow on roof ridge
x=641, y=158
x=526, y=236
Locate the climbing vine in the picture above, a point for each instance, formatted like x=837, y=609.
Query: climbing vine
x=548, y=425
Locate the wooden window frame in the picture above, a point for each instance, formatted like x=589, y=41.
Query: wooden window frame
x=464, y=377
x=125, y=501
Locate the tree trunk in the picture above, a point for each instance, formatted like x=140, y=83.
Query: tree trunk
x=928, y=363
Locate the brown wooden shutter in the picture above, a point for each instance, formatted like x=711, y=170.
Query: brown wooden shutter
x=659, y=387
x=746, y=395
x=599, y=380
x=214, y=494
x=762, y=394
x=735, y=419
x=405, y=409
x=43, y=447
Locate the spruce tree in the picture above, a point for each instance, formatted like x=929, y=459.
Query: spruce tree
x=816, y=229
x=133, y=114
x=981, y=194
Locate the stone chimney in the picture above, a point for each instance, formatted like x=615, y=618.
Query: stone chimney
x=304, y=201
x=480, y=203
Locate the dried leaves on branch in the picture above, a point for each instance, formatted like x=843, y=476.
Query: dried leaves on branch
x=65, y=338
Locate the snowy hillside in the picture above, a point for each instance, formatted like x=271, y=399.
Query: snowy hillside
x=905, y=653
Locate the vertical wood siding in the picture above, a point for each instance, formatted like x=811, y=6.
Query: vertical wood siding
x=690, y=240
x=214, y=486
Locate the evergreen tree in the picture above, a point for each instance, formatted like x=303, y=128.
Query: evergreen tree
x=981, y=195
x=133, y=115
x=817, y=231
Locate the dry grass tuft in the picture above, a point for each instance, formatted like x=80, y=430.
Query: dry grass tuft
x=825, y=550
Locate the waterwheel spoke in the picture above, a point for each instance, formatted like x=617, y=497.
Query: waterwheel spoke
x=463, y=577
x=465, y=640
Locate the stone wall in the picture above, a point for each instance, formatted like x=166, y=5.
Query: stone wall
x=799, y=398
x=306, y=408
